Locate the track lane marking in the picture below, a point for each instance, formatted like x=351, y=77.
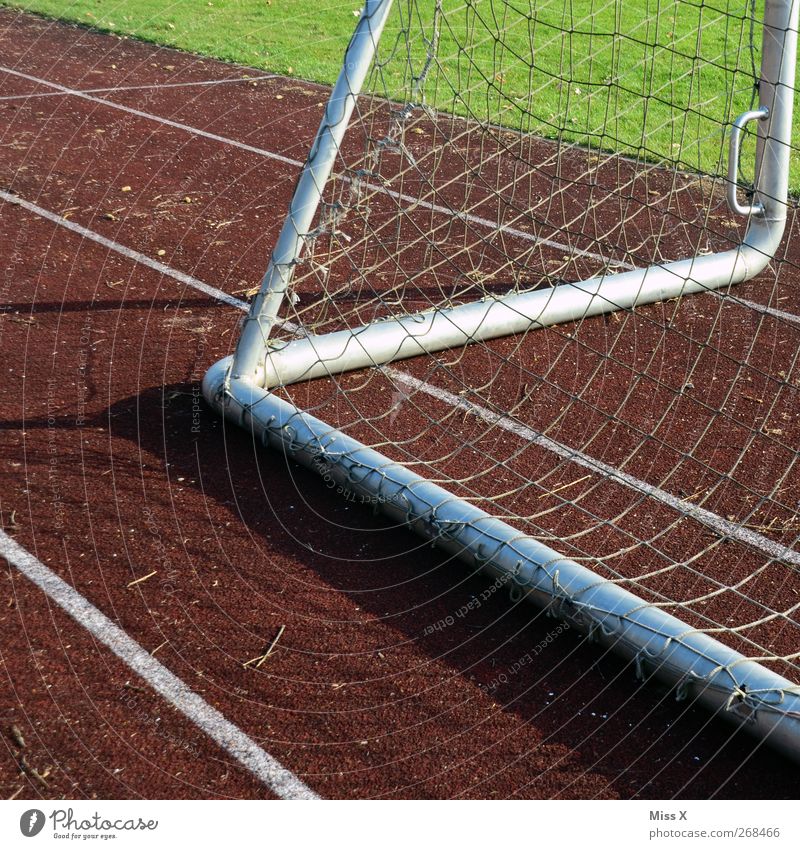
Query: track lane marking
x=151, y=86
x=296, y=163
x=208, y=719
x=485, y=222
x=705, y=517
x=177, y=125
x=775, y=313
x=136, y=256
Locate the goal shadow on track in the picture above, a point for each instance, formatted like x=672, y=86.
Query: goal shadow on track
x=580, y=700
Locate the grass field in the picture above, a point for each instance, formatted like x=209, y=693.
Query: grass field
x=656, y=80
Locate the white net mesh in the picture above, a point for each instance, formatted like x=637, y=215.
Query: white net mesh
x=504, y=146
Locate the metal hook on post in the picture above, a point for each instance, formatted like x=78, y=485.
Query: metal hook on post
x=760, y=114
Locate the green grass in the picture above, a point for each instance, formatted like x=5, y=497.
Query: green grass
x=593, y=61
x=269, y=34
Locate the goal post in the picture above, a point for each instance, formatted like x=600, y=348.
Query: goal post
x=461, y=189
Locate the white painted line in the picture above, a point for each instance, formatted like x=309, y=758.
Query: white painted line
x=156, y=86
x=475, y=219
x=775, y=313
x=711, y=520
x=224, y=733
x=705, y=517
x=508, y=231
x=141, y=258
x=295, y=163
x=149, y=117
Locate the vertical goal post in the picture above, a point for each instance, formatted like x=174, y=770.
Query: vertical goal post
x=365, y=169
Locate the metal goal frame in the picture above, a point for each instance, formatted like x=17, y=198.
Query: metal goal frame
x=240, y=388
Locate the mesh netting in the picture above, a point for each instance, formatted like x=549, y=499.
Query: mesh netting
x=503, y=147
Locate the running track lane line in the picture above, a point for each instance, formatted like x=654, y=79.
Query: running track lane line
x=149, y=117
x=295, y=163
x=711, y=520
x=141, y=258
x=705, y=517
x=158, y=86
x=224, y=733
x=485, y=222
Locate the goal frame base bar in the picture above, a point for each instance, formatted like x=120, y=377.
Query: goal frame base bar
x=393, y=338
x=263, y=362
x=699, y=667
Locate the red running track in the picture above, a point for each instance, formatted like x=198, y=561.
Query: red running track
x=112, y=470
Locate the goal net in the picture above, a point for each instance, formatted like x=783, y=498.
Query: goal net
x=533, y=298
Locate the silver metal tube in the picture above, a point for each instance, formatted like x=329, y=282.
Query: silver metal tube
x=700, y=667
x=733, y=161
x=438, y=330
x=776, y=90
x=399, y=338
x=249, y=357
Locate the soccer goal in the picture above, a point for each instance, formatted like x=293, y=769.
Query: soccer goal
x=542, y=209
